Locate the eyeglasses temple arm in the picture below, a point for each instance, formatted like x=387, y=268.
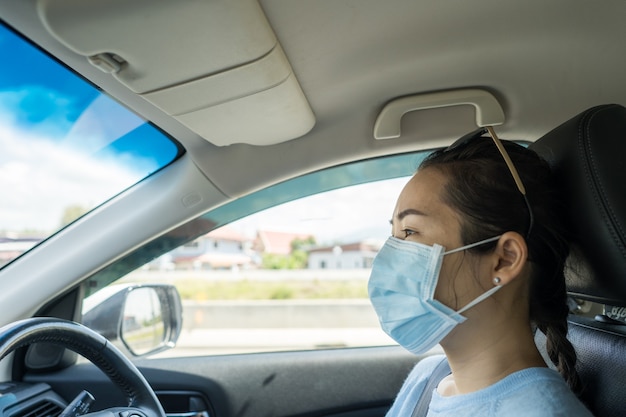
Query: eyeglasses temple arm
x=507, y=159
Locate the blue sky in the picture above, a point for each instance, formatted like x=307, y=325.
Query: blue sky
x=47, y=98
x=63, y=141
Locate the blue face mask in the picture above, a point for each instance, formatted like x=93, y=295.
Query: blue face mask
x=402, y=289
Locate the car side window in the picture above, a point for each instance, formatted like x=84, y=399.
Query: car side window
x=291, y=277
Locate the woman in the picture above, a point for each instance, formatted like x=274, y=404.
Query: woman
x=475, y=263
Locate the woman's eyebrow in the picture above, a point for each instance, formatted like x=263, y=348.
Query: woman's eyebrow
x=401, y=215
x=405, y=213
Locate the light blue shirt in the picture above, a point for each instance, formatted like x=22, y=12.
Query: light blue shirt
x=532, y=392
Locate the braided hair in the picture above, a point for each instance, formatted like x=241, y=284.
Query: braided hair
x=481, y=188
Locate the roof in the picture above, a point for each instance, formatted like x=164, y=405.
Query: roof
x=277, y=242
x=226, y=233
x=363, y=246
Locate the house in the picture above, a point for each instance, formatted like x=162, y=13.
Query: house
x=222, y=248
x=348, y=256
x=277, y=243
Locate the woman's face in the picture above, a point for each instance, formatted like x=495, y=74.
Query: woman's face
x=421, y=216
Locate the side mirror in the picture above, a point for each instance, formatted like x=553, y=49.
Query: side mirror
x=139, y=319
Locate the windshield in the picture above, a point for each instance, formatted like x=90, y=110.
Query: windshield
x=66, y=146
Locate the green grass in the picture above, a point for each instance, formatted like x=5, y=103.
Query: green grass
x=202, y=290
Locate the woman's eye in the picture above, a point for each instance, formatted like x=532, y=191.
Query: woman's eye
x=408, y=232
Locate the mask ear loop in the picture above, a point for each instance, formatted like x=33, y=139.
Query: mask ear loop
x=482, y=242
x=486, y=294
x=480, y=298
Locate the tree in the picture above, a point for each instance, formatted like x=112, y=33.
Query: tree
x=297, y=259
x=72, y=213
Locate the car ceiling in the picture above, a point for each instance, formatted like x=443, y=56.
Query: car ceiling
x=542, y=61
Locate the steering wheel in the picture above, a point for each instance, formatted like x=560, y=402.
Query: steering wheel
x=142, y=401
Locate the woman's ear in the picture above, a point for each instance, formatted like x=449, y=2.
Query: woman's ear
x=510, y=257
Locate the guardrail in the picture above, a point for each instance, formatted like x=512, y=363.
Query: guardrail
x=279, y=314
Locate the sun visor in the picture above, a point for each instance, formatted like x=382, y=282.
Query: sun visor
x=264, y=96
x=216, y=66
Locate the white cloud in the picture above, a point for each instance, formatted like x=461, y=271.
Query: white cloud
x=40, y=178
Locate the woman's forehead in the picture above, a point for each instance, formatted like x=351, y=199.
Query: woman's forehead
x=423, y=192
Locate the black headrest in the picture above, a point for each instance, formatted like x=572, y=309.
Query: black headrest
x=588, y=155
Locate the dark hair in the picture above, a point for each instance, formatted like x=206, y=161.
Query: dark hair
x=481, y=188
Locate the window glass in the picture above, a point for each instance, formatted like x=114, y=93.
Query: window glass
x=66, y=146
x=291, y=277
x=284, y=268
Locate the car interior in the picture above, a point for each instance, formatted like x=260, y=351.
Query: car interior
x=237, y=106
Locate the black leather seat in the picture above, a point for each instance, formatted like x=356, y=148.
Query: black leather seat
x=588, y=154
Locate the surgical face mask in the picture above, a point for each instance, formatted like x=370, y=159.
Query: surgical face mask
x=402, y=289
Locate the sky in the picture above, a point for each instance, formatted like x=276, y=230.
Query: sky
x=49, y=164
x=63, y=142
x=41, y=179
x=346, y=215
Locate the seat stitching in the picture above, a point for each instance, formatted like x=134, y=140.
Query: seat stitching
x=608, y=213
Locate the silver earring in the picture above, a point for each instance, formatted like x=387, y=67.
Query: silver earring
x=497, y=281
